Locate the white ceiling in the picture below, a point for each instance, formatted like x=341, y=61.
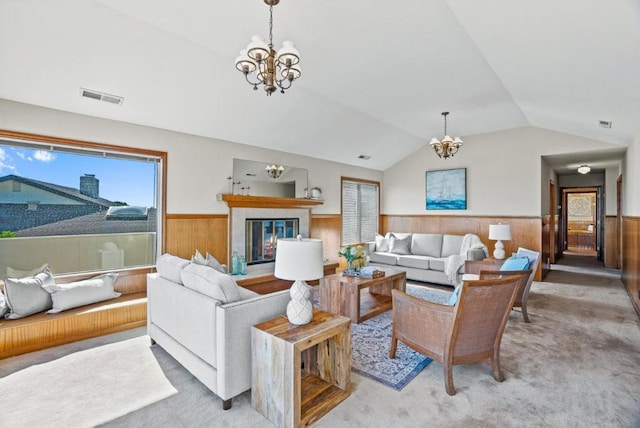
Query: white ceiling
x=376, y=75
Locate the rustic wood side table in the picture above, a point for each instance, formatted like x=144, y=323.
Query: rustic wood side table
x=300, y=372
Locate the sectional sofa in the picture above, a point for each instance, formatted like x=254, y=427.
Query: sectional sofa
x=429, y=257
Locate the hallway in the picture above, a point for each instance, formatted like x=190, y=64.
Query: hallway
x=584, y=264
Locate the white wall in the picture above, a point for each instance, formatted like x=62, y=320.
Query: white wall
x=611, y=175
x=503, y=172
x=197, y=166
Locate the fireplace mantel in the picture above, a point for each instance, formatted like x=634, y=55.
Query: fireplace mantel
x=241, y=201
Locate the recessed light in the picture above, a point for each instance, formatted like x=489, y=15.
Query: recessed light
x=365, y=157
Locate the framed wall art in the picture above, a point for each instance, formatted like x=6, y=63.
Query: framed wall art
x=446, y=189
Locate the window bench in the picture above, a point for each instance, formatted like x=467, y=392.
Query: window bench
x=42, y=330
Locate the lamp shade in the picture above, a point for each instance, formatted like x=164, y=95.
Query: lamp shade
x=299, y=259
x=500, y=232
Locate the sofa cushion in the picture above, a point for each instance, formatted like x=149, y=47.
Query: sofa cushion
x=412, y=261
x=19, y=273
x=382, y=243
x=170, y=267
x=80, y=293
x=426, y=244
x=210, y=282
x=386, y=258
x=436, y=264
x=400, y=245
x=451, y=245
x=26, y=296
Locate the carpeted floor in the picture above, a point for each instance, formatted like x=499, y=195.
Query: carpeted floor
x=576, y=365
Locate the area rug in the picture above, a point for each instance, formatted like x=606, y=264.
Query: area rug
x=371, y=342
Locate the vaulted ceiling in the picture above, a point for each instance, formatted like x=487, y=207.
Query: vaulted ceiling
x=375, y=75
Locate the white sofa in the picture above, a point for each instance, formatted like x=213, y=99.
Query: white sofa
x=423, y=255
x=210, y=337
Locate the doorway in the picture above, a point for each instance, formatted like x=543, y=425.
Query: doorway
x=582, y=222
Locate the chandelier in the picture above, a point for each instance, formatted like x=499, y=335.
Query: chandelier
x=274, y=171
x=447, y=146
x=262, y=65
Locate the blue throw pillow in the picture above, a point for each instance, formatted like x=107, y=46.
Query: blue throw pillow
x=516, y=263
x=454, y=296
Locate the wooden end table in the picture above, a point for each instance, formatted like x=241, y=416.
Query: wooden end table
x=299, y=373
x=341, y=294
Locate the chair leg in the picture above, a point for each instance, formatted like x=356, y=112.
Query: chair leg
x=525, y=315
x=495, y=367
x=153, y=342
x=226, y=404
x=394, y=345
x=448, y=379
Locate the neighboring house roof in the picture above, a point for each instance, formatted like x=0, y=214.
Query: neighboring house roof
x=68, y=192
x=92, y=224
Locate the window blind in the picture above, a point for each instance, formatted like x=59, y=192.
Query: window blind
x=359, y=212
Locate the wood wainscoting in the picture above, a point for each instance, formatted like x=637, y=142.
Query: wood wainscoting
x=207, y=233
x=328, y=228
x=610, y=242
x=631, y=258
x=525, y=231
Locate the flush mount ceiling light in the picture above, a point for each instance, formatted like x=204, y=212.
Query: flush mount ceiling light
x=262, y=65
x=274, y=171
x=584, y=169
x=447, y=146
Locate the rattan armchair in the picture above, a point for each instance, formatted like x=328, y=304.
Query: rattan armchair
x=470, y=331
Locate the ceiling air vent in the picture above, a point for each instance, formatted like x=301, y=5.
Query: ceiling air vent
x=604, y=124
x=101, y=96
x=365, y=157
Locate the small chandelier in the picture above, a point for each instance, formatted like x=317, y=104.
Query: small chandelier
x=448, y=146
x=274, y=171
x=261, y=65
x=584, y=169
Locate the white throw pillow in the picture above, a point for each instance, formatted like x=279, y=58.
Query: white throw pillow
x=80, y=293
x=18, y=273
x=4, y=307
x=26, y=296
x=210, y=282
x=170, y=267
x=208, y=261
x=382, y=243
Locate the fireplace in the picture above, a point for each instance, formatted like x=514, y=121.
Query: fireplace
x=262, y=234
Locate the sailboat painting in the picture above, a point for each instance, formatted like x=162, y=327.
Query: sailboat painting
x=446, y=189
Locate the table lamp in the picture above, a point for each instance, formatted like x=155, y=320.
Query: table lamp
x=299, y=260
x=499, y=233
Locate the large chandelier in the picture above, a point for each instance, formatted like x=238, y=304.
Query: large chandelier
x=447, y=146
x=274, y=171
x=261, y=65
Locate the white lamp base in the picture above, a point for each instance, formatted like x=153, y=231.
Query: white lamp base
x=498, y=252
x=299, y=309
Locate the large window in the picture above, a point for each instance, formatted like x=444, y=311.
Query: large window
x=360, y=210
x=77, y=206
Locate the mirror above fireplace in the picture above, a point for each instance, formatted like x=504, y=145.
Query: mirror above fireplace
x=280, y=181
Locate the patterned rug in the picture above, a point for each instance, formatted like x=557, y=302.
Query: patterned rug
x=371, y=342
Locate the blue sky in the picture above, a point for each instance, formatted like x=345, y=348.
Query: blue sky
x=123, y=180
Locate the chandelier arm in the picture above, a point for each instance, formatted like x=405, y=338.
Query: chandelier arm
x=246, y=76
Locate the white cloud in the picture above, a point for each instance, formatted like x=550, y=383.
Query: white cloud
x=44, y=156
x=21, y=155
x=5, y=162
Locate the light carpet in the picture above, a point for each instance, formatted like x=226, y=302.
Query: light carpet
x=576, y=365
